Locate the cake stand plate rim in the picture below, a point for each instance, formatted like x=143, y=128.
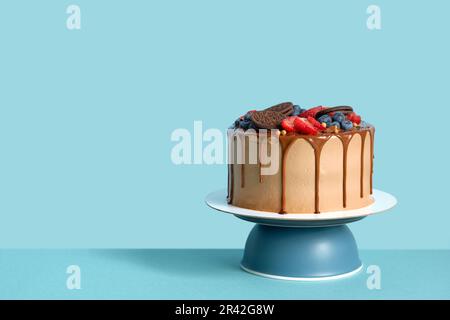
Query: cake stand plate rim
x=383, y=201
x=305, y=279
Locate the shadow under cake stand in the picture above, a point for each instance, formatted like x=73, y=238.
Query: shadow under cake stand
x=308, y=247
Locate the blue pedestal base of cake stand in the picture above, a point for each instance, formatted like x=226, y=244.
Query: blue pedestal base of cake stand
x=306, y=247
x=296, y=253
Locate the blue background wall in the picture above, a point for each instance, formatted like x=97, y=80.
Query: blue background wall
x=86, y=115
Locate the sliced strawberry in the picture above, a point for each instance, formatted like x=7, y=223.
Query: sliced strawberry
x=288, y=124
x=315, y=123
x=302, y=125
x=311, y=112
x=353, y=117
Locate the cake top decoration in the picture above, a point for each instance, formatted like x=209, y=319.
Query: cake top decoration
x=267, y=119
x=290, y=118
x=286, y=108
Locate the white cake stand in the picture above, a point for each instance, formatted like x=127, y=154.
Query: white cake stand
x=306, y=247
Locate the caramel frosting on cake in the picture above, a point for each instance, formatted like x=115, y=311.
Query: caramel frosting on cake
x=321, y=170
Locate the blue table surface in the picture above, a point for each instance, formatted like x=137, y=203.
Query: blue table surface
x=208, y=274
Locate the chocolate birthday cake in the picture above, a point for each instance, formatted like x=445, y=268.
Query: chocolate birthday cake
x=287, y=159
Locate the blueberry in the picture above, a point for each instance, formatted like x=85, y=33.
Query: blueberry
x=248, y=116
x=325, y=118
x=335, y=123
x=346, y=124
x=244, y=124
x=364, y=124
x=339, y=116
x=297, y=110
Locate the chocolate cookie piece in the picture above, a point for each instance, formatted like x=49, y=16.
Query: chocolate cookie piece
x=286, y=108
x=343, y=109
x=267, y=119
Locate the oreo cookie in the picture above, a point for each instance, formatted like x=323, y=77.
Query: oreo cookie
x=343, y=109
x=267, y=119
x=285, y=108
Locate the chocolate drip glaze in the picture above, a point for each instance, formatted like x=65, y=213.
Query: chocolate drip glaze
x=317, y=143
x=372, y=137
x=260, y=165
x=345, y=138
x=361, y=180
x=243, y=164
x=260, y=174
x=230, y=183
x=231, y=175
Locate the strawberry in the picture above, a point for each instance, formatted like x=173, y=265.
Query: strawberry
x=302, y=125
x=353, y=117
x=315, y=123
x=288, y=124
x=311, y=112
x=350, y=116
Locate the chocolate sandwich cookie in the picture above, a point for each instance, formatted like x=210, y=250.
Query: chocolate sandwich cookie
x=267, y=119
x=343, y=109
x=285, y=108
